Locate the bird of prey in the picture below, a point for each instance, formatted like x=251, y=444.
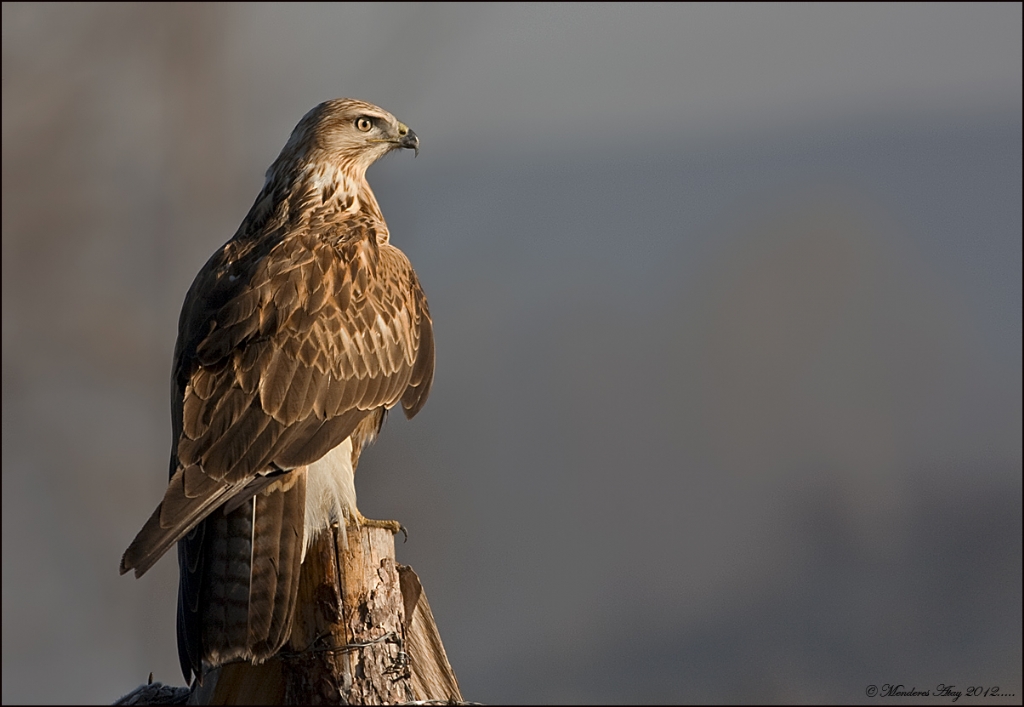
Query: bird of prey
x=294, y=340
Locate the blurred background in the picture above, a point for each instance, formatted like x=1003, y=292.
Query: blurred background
x=727, y=301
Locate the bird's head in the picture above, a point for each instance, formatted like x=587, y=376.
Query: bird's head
x=349, y=133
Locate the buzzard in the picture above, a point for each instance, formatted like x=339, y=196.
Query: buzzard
x=294, y=340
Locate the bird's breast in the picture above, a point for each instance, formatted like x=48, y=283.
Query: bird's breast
x=330, y=492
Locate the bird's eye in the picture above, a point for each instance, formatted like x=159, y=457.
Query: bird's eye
x=364, y=124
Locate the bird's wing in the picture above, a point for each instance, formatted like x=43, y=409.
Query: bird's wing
x=284, y=345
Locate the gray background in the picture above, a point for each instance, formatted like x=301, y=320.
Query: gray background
x=728, y=313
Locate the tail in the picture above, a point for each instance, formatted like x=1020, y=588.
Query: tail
x=239, y=578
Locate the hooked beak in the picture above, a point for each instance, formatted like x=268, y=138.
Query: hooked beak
x=409, y=139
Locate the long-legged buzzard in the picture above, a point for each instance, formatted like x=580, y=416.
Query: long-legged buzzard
x=294, y=340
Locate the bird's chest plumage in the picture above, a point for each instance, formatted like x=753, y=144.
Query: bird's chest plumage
x=330, y=492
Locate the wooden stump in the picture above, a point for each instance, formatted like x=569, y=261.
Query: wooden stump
x=347, y=647
x=363, y=634
x=432, y=676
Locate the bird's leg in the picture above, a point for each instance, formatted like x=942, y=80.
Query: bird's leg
x=359, y=520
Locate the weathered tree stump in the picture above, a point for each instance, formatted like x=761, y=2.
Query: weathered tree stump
x=348, y=646
x=363, y=634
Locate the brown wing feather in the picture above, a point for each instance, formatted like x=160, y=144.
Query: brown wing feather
x=282, y=351
x=422, y=375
